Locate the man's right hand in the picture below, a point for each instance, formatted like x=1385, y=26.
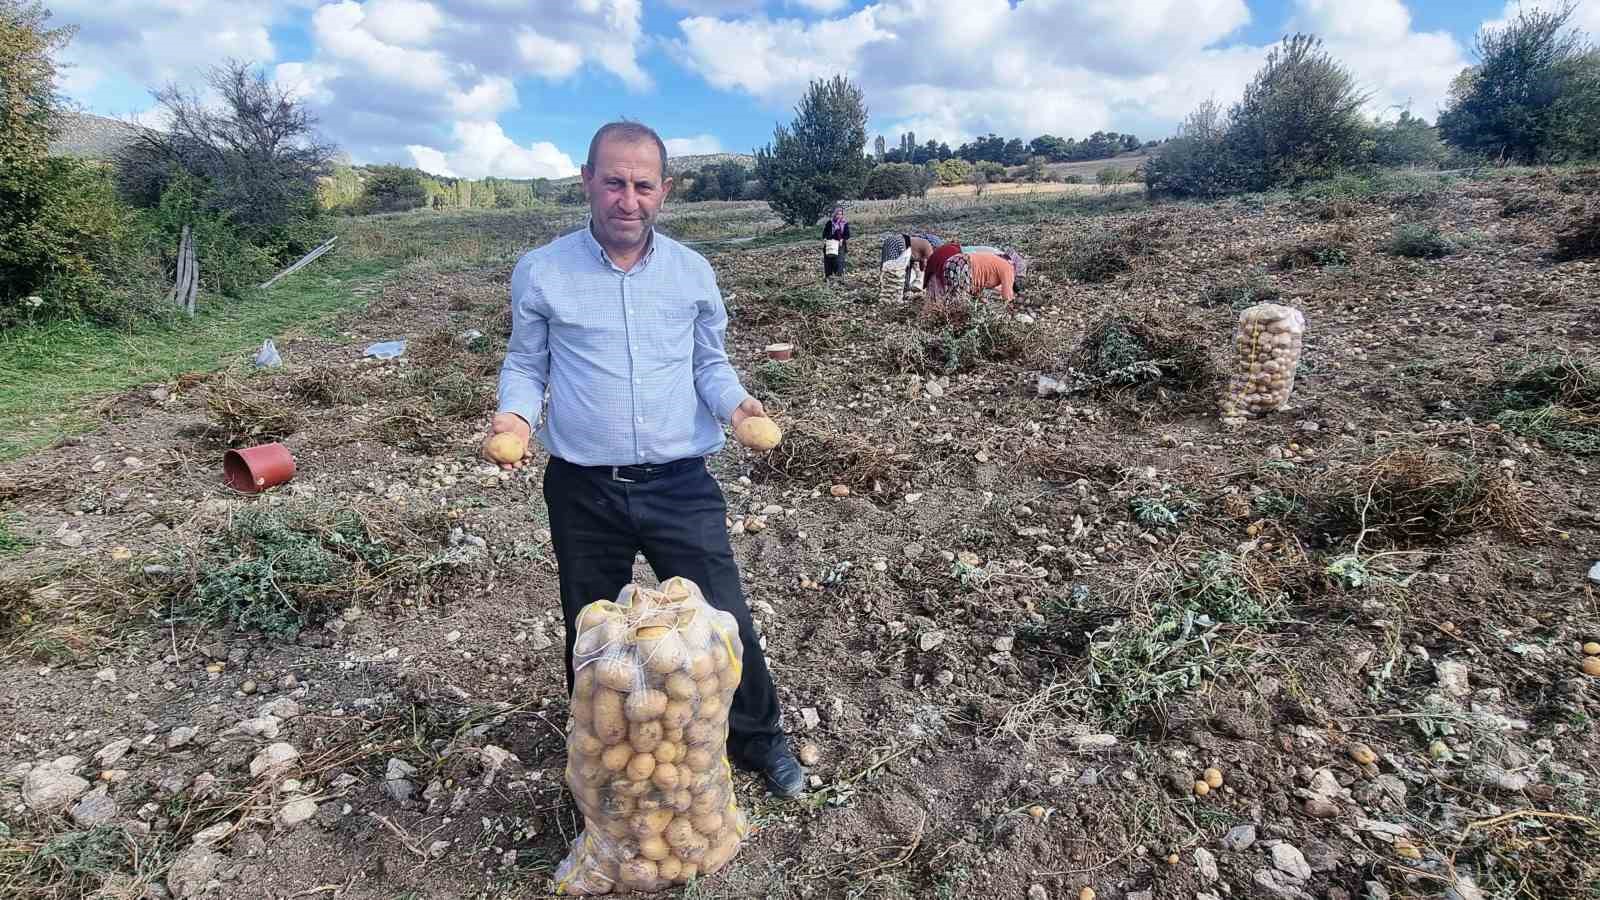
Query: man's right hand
x=504, y=422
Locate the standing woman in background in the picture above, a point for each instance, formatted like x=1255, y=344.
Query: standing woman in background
x=835, y=243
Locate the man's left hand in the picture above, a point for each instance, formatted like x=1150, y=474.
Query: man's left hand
x=750, y=408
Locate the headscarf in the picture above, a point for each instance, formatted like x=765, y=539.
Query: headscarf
x=838, y=222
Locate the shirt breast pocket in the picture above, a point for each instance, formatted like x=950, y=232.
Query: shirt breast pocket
x=670, y=326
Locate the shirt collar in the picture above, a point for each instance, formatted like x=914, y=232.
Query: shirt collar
x=605, y=258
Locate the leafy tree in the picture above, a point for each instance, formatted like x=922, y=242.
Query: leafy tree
x=892, y=180
x=393, y=189
x=1407, y=141
x=256, y=153
x=1299, y=119
x=818, y=159
x=953, y=171
x=1533, y=93
x=27, y=104
x=1052, y=148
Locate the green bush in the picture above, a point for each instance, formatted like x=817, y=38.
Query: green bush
x=1579, y=234
x=1098, y=259
x=953, y=171
x=1534, y=95
x=1239, y=295
x=1299, y=120
x=891, y=180
x=1407, y=141
x=392, y=189
x=1420, y=242
x=84, y=255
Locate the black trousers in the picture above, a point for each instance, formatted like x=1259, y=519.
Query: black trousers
x=679, y=520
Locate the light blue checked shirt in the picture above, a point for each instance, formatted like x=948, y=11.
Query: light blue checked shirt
x=633, y=361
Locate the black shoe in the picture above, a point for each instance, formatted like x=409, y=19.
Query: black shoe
x=783, y=774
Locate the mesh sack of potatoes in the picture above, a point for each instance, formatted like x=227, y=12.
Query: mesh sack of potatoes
x=1268, y=341
x=655, y=673
x=892, y=278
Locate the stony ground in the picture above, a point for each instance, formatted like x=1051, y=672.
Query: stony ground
x=1043, y=641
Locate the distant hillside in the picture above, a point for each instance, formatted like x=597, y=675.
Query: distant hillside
x=677, y=164
x=84, y=136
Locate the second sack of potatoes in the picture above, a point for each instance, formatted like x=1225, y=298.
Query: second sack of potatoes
x=655, y=674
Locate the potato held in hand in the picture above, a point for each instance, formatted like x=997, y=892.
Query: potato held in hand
x=507, y=447
x=758, y=433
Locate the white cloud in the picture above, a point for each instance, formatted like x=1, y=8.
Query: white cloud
x=1586, y=17
x=482, y=148
x=153, y=42
x=404, y=22
x=822, y=6
x=950, y=71
x=382, y=75
x=715, y=7
x=693, y=146
x=1401, y=68
x=547, y=57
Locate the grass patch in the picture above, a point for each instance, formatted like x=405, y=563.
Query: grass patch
x=1240, y=294
x=280, y=569
x=1313, y=254
x=1551, y=398
x=1420, y=242
x=1167, y=510
x=1579, y=234
x=48, y=371
x=245, y=413
x=1413, y=495
x=1146, y=358
x=10, y=542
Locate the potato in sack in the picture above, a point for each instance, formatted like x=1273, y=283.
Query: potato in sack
x=647, y=742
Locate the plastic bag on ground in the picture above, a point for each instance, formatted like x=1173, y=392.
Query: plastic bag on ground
x=386, y=349
x=267, y=357
x=1268, y=341
x=654, y=675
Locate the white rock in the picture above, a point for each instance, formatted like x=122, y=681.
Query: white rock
x=96, y=808
x=1594, y=573
x=452, y=637
x=283, y=708
x=108, y=676
x=1289, y=860
x=1206, y=864
x=191, y=870
x=263, y=727
x=1094, y=741
x=180, y=736
x=1037, y=892
x=1452, y=675
x=273, y=758
x=112, y=753
x=212, y=836
x=48, y=790
x=810, y=718
x=296, y=811
x=1280, y=885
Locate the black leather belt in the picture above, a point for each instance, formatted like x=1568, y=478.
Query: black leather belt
x=640, y=473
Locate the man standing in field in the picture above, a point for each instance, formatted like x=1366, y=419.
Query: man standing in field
x=624, y=327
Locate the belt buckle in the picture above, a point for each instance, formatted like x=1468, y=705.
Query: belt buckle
x=616, y=475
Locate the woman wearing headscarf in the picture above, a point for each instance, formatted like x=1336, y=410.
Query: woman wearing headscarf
x=835, y=243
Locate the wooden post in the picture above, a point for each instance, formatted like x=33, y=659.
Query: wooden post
x=186, y=280
x=304, y=261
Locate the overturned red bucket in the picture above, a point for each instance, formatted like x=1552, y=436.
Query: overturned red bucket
x=255, y=469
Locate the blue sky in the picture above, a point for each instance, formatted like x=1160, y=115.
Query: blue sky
x=515, y=87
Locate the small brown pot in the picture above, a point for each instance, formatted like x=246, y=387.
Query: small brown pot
x=780, y=352
x=255, y=469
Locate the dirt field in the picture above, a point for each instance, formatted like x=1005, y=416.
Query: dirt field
x=1018, y=644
